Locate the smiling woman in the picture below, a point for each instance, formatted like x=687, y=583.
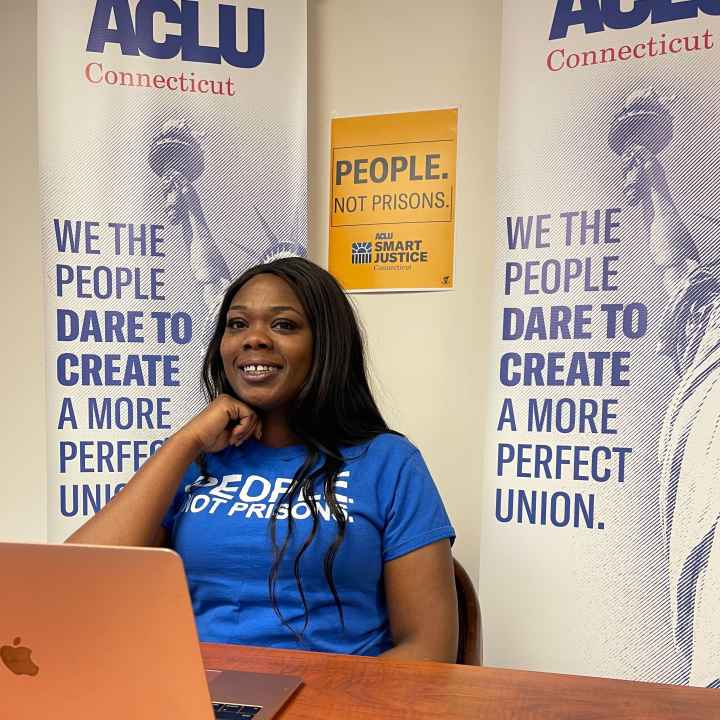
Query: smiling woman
x=266, y=348
x=302, y=520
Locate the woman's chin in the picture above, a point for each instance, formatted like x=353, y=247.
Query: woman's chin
x=263, y=400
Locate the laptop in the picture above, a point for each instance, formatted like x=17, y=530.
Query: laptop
x=88, y=632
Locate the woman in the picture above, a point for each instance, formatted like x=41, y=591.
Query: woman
x=302, y=521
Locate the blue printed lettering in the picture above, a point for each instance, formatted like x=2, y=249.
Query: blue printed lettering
x=520, y=229
x=123, y=413
x=541, y=323
x=76, y=501
x=70, y=236
x=558, y=509
x=557, y=369
x=97, y=326
x=113, y=23
x=104, y=282
x=117, y=371
x=104, y=456
x=597, y=15
x=568, y=415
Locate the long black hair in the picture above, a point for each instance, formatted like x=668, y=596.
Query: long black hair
x=334, y=407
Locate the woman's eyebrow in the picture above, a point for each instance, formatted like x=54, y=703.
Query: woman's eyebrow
x=274, y=308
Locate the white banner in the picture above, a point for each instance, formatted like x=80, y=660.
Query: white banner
x=599, y=548
x=172, y=157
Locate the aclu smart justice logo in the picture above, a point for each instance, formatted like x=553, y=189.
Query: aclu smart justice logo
x=386, y=251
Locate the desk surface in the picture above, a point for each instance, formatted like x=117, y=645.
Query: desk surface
x=344, y=687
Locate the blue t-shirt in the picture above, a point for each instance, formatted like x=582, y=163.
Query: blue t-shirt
x=222, y=532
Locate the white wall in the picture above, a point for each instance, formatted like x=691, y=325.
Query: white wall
x=427, y=350
x=22, y=420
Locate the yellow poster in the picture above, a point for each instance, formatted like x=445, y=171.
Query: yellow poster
x=392, y=201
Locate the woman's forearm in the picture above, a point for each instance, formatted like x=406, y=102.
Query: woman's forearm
x=134, y=515
x=415, y=649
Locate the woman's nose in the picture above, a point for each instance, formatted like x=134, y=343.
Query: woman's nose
x=256, y=339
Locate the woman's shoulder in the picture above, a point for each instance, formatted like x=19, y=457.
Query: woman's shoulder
x=384, y=446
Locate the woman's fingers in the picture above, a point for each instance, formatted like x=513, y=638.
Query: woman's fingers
x=224, y=421
x=244, y=429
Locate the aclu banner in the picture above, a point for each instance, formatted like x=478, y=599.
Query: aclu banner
x=172, y=157
x=600, y=547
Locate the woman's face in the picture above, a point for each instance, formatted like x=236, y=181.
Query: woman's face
x=266, y=349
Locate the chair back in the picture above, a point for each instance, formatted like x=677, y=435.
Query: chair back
x=469, y=619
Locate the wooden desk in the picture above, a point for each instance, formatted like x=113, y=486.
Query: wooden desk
x=344, y=687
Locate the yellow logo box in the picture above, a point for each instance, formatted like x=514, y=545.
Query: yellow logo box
x=392, y=200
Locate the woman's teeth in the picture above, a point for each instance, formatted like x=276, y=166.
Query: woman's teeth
x=257, y=369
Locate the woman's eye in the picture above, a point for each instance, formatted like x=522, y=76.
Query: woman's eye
x=236, y=323
x=284, y=325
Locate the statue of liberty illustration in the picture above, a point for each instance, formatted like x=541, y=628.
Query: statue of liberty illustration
x=176, y=156
x=689, y=445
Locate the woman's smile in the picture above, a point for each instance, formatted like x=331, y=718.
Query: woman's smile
x=259, y=372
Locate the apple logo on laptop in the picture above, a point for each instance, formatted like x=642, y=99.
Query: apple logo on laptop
x=17, y=659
